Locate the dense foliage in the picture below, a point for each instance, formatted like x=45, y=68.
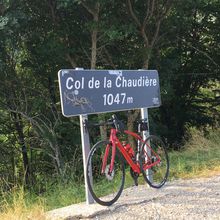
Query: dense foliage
x=37, y=38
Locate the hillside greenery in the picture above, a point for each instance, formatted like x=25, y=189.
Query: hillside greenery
x=41, y=149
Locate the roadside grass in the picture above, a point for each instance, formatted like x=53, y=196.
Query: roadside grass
x=63, y=195
x=200, y=157
x=21, y=206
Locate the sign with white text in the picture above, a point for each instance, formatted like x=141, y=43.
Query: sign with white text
x=96, y=91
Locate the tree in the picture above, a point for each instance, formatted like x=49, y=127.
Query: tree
x=192, y=63
x=148, y=23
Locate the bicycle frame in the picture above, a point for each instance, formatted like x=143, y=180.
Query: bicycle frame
x=115, y=142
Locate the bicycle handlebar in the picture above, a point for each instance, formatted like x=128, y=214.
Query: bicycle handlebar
x=112, y=121
x=119, y=125
x=101, y=123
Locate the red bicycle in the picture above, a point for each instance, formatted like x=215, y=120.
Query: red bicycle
x=105, y=164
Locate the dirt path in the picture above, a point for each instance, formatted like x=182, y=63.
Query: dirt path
x=182, y=199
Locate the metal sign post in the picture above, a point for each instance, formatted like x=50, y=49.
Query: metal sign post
x=85, y=149
x=144, y=115
x=145, y=134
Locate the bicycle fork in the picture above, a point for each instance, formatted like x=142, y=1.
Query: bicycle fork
x=112, y=145
x=105, y=158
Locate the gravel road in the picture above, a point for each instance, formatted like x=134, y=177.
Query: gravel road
x=182, y=199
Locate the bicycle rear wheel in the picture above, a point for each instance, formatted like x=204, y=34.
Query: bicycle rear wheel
x=154, y=162
x=105, y=187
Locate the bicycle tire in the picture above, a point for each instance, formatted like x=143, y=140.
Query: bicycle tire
x=100, y=184
x=157, y=175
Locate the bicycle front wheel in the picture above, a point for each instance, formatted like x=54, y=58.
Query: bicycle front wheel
x=105, y=186
x=154, y=162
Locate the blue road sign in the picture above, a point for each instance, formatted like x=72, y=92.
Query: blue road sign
x=97, y=91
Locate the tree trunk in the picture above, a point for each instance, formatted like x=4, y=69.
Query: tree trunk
x=53, y=99
x=19, y=128
x=52, y=94
x=146, y=62
x=13, y=165
x=132, y=117
x=94, y=35
x=133, y=114
x=94, y=11
x=94, y=45
x=58, y=160
x=103, y=132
